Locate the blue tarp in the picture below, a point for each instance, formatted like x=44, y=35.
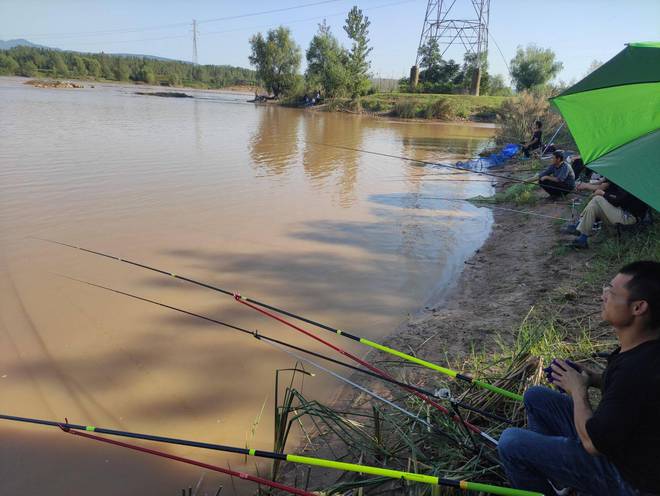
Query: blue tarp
x=492, y=160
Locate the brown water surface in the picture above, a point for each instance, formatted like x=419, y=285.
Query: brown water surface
x=240, y=196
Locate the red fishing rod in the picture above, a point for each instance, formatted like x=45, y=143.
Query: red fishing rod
x=374, y=369
x=215, y=468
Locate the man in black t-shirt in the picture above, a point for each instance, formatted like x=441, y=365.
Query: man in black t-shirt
x=614, y=449
x=535, y=142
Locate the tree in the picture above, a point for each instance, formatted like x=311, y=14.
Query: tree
x=144, y=73
x=28, y=68
x=533, y=66
x=497, y=86
x=8, y=66
x=277, y=59
x=327, y=63
x=430, y=62
x=122, y=71
x=357, y=29
x=470, y=65
x=79, y=67
x=57, y=65
x=93, y=67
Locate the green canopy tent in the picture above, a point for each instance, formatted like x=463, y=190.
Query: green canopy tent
x=614, y=117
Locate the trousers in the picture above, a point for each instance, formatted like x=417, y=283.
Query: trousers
x=550, y=451
x=599, y=208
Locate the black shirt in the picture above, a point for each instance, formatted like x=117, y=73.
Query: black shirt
x=536, y=137
x=620, y=198
x=626, y=425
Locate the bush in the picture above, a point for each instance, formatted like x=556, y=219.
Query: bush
x=517, y=115
x=439, y=109
x=406, y=109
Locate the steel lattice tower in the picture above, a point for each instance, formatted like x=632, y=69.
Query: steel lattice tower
x=471, y=33
x=194, y=30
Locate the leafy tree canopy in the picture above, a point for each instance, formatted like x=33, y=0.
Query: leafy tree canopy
x=277, y=59
x=533, y=66
x=327, y=63
x=357, y=29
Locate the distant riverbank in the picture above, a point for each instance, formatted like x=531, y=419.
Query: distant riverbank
x=446, y=108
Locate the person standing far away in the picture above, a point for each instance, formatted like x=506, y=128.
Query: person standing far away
x=558, y=179
x=614, y=449
x=535, y=142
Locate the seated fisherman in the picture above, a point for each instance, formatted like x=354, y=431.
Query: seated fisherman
x=610, y=204
x=535, y=142
x=558, y=179
x=612, y=450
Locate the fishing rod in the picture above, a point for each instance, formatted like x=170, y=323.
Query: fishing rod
x=364, y=363
x=259, y=336
x=215, y=468
x=244, y=299
x=440, y=164
x=426, y=423
x=305, y=460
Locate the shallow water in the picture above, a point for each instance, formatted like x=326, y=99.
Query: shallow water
x=244, y=197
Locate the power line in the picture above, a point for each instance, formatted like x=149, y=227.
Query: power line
x=180, y=24
x=262, y=26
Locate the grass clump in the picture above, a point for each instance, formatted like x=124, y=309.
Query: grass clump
x=518, y=194
x=439, y=109
x=406, y=109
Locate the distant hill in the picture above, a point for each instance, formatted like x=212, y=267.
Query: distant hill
x=6, y=45
x=9, y=44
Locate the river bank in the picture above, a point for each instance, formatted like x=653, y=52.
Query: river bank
x=412, y=106
x=522, y=299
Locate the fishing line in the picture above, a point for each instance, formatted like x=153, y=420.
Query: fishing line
x=306, y=460
x=366, y=342
x=256, y=334
x=440, y=164
x=487, y=205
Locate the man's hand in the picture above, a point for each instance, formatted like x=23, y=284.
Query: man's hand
x=599, y=192
x=573, y=382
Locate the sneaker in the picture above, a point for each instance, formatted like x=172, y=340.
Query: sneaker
x=579, y=243
x=569, y=229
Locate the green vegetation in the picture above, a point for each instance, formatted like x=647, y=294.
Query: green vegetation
x=327, y=64
x=519, y=194
x=533, y=66
x=357, y=29
x=447, y=76
x=40, y=62
x=516, y=118
x=277, y=59
x=446, y=107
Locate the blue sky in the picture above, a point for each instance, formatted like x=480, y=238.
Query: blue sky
x=579, y=31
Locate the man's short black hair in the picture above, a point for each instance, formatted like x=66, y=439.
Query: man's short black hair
x=558, y=155
x=645, y=285
x=538, y=123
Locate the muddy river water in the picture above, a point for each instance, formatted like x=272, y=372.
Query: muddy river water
x=244, y=197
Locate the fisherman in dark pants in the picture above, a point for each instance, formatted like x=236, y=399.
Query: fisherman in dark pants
x=535, y=142
x=614, y=449
x=558, y=179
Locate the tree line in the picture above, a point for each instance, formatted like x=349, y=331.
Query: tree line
x=336, y=71
x=332, y=70
x=34, y=62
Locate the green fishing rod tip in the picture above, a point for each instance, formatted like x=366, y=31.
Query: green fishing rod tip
x=252, y=452
x=90, y=428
